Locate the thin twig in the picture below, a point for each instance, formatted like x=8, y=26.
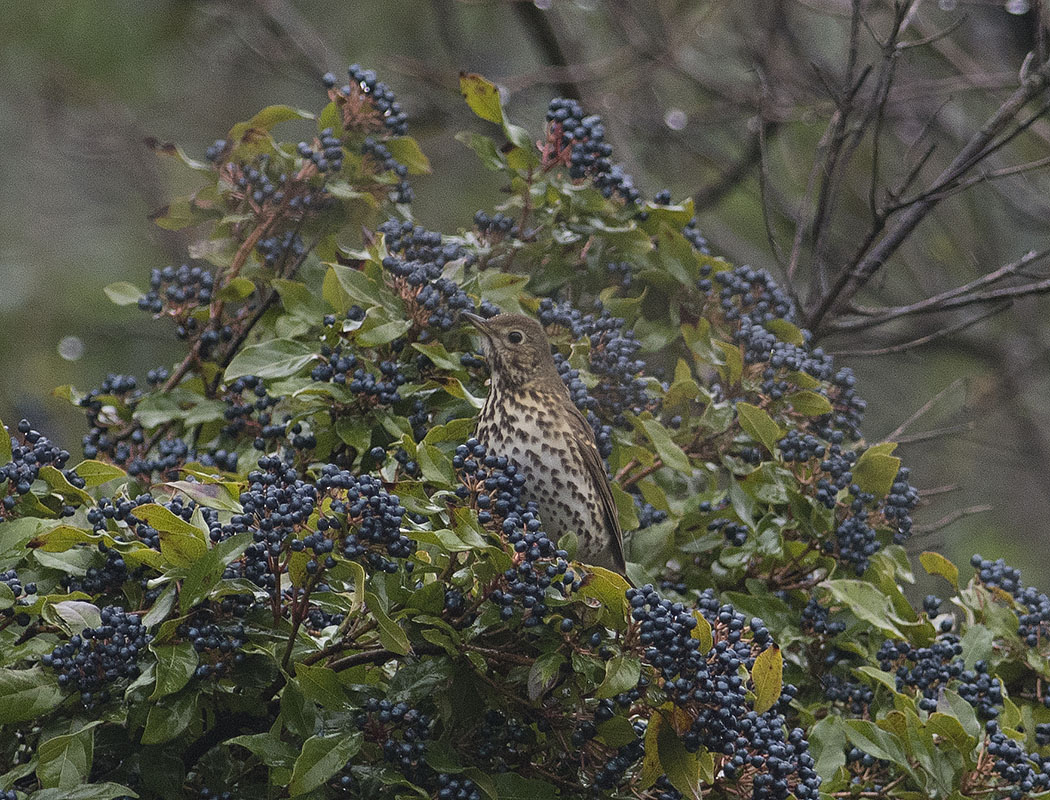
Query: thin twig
x=922, y=340
x=922, y=410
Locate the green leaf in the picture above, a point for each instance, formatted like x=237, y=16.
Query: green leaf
x=383, y=333
x=608, y=588
x=827, y=743
x=210, y=495
x=867, y=603
x=27, y=694
x=237, y=289
x=734, y=361
x=681, y=766
x=875, y=472
x=298, y=713
x=355, y=283
x=702, y=632
x=757, y=424
x=321, y=758
x=872, y=739
x=482, y=96
x=542, y=674
x=268, y=748
x=406, y=150
x=322, y=686
x=812, y=404
x=5, y=444
x=670, y=453
x=60, y=484
x=768, y=676
x=485, y=149
x=621, y=675
x=390, y=633
x=169, y=718
x=785, y=331
x=64, y=762
x=94, y=791
x=274, y=358
x=936, y=564
x=74, y=615
x=180, y=542
x=176, y=664
x=123, y=293
x=96, y=473
x=265, y=120
x=206, y=572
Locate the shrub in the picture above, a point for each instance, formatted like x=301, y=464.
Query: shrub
x=287, y=569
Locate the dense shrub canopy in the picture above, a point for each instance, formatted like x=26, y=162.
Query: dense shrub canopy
x=286, y=568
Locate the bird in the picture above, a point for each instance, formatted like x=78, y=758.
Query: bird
x=530, y=418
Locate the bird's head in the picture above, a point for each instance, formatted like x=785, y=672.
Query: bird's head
x=516, y=348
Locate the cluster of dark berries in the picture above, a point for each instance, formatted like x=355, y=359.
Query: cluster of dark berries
x=327, y=156
x=691, y=231
x=380, y=153
x=579, y=141
x=249, y=412
x=856, y=695
x=838, y=464
x=364, y=88
x=586, y=402
x=493, y=486
x=613, y=360
x=612, y=772
x=735, y=532
x=367, y=519
x=21, y=592
x=1028, y=773
x=710, y=688
x=799, y=446
x=254, y=186
x=929, y=669
x=281, y=249
x=456, y=787
x=855, y=541
x=495, y=225
x=648, y=514
x=401, y=730
x=31, y=450
x=92, y=661
x=416, y=259
x=622, y=272
x=746, y=292
x=503, y=741
x=344, y=368
x=110, y=577
x=178, y=289
x=218, y=648
x=1033, y=623
x=898, y=505
x=815, y=620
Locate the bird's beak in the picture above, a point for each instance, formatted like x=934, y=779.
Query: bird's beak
x=478, y=322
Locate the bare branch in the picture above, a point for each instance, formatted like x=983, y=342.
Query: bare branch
x=923, y=340
x=894, y=436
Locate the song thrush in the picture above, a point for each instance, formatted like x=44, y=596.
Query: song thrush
x=530, y=418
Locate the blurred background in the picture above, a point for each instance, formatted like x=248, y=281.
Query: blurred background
x=791, y=124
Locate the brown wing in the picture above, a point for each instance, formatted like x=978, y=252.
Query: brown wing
x=592, y=459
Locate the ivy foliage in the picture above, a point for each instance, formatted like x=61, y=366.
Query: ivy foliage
x=286, y=569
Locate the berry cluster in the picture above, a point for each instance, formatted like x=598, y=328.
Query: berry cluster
x=710, y=688
x=493, y=486
x=93, y=660
x=218, y=648
x=279, y=250
x=928, y=669
x=416, y=259
x=110, y=577
x=402, y=732
x=21, y=592
x=179, y=290
x=856, y=695
x=344, y=368
x=1029, y=773
x=326, y=154
x=735, y=532
x=799, y=446
x=248, y=412
x=1034, y=623
x=579, y=142
x=367, y=102
x=380, y=153
x=613, y=360
x=495, y=226
x=31, y=450
x=815, y=620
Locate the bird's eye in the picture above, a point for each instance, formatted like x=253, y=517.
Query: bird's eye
x=515, y=337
